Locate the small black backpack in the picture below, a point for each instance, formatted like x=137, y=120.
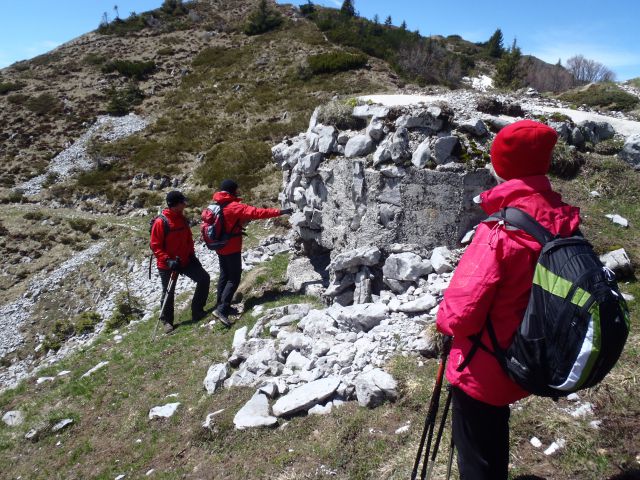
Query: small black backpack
x=576, y=322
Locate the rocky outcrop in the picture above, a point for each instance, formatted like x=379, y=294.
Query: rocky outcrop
x=382, y=187
x=631, y=151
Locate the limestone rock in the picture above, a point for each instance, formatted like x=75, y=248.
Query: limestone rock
x=13, y=418
x=239, y=337
x=406, y=267
x=422, y=304
x=255, y=413
x=164, y=411
x=94, y=369
x=309, y=164
x=61, y=425
x=306, y=396
x=474, y=126
x=363, y=316
x=374, y=387
x=359, y=146
x=618, y=261
x=368, y=256
x=444, y=149
x=630, y=152
x=303, y=277
x=422, y=155
x=216, y=375
x=442, y=260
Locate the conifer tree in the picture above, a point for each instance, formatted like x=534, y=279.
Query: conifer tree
x=495, y=47
x=348, y=8
x=509, y=72
x=404, y=25
x=388, y=21
x=376, y=19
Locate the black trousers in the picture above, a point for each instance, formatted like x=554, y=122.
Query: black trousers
x=195, y=272
x=481, y=437
x=229, y=280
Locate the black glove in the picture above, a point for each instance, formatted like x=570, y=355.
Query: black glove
x=286, y=211
x=173, y=265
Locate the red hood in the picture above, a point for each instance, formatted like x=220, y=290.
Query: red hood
x=535, y=196
x=225, y=197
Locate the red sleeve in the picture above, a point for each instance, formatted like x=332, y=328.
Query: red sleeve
x=469, y=297
x=157, y=241
x=248, y=213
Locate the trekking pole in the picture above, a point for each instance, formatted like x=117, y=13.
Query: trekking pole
x=452, y=448
x=443, y=421
x=430, y=419
x=173, y=279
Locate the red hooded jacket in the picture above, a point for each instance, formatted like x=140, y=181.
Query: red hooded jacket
x=177, y=243
x=236, y=216
x=493, y=280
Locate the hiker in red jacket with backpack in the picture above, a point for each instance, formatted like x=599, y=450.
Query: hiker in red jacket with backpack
x=172, y=244
x=236, y=216
x=493, y=281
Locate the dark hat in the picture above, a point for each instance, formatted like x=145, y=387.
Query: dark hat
x=523, y=149
x=229, y=186
x=174, y=198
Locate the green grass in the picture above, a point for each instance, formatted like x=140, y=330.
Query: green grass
x=134, y=69
x=604, y=95
x=337, y=61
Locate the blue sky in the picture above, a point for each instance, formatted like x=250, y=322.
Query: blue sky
x=608, y=32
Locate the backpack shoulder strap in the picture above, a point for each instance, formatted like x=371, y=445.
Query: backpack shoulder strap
x=522, y=220
x=165, y=224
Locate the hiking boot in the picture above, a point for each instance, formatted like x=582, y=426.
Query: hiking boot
x=233, y=311
x=167, y=327
x=219, y=313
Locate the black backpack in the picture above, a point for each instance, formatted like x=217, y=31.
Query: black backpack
x=576, y=322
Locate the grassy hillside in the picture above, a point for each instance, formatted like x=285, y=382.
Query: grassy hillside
x=111, y=434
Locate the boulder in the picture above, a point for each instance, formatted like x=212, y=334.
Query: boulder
x=316, y=323
x=247, y=349
x=306, y=396
x=297, y=361
x=444, y=149
x=596, y=132
x=422, y=155
x=630, y=152
x=618, y=261
x=442, y=260
x=376, y=129
x=474, y=126
x=359, y=146
x=424, y=119
x=421, y=304
x=406, y=267
x=255, y=413
x=374, y=387
x=367, y=256
x=309, y=164
x=362, y=316
x=13, y=418
x=239, y=337
x=303, y=277
x=216, y=375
